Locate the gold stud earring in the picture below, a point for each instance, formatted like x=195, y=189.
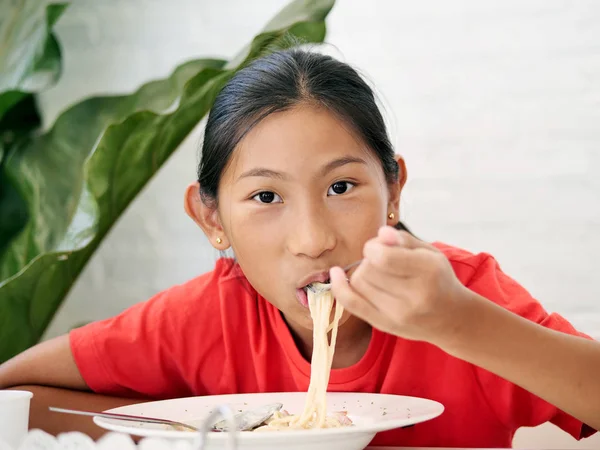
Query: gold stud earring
x=391, y=216
x=219, y=240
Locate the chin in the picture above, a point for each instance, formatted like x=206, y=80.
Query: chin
x=345, y=317
x=301, y=315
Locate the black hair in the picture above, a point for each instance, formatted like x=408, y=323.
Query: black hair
x=278, y=82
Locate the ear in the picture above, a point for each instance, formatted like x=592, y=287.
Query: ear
x=395, y=190
x=206, y=216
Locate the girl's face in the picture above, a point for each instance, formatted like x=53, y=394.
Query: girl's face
x=301, y=194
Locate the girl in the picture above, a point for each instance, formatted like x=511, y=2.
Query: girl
x=299, y=178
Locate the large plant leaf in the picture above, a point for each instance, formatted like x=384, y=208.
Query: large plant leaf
x=16, y=125
x=29, y=53
x=79, y=177
x=29, y=63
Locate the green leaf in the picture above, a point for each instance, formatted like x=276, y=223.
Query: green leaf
x=29, y=54
x=78, y=178
x=17, y=125
x=49, y=171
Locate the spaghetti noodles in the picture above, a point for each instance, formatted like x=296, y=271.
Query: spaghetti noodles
x=314, y=414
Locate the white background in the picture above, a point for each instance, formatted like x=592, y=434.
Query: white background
x=494, y=104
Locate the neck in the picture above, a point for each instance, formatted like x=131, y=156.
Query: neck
x=352, y=342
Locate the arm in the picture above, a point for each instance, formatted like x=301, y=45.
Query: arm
x=32, y=367
x=49, y=371
x=408, y=288
x=562, y=369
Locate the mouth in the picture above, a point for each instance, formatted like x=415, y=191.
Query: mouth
x=315, y=277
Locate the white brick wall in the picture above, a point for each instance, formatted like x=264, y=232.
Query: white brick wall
x=495, y=105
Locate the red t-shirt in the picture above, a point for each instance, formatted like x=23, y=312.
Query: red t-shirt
x=216, y=335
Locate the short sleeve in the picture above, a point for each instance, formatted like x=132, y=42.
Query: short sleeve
x=514, y=406
x=153, y=349
x=131, y=354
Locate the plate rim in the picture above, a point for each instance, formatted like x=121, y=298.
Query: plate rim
x=374, y=428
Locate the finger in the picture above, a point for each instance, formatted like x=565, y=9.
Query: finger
x=372, y=282
x=349, y=298
x=391, y=236
x=381, y=289
x=386, y=306
x=398, y=261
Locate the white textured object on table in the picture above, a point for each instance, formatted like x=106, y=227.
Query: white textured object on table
x=40, y=440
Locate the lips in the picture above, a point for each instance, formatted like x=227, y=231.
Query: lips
x=302, y=297
x=315, y=277
x=320, y=277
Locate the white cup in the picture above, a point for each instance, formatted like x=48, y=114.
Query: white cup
x=14, y=416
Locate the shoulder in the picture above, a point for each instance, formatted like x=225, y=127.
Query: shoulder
x=465, y=263
x=208, y=287
x=198, y=300
x=482, y=273
x=202, y=298
x=163, y=336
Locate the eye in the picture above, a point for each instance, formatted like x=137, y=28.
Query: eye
x=267, y=197
x=340, y=187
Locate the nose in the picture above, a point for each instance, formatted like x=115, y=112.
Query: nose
x=311, y=234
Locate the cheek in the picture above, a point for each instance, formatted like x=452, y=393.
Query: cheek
x=363, y=218
x=258, y=247
x=255, y=234
x=255, y=249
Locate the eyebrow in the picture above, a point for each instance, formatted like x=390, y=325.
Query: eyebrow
x=269, y=173
x=263, y=172
x=336, y=163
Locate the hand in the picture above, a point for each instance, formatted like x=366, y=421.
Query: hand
x=404, y=287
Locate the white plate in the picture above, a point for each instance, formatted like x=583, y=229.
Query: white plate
x=370, y=414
